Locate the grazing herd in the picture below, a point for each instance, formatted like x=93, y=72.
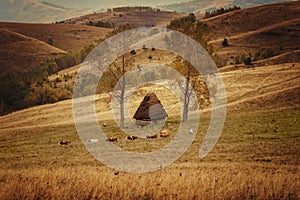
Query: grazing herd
x=162, y=134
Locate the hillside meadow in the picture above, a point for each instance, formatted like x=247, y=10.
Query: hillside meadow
x=257, y=156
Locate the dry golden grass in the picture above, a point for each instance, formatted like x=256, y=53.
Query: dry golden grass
x=137, y=18
x=25, y=46
x=252, y=19
x=257, y=156
x=267, y=87
x=17, y=48
x=68, y=37
x=249, y=29
x=181, y=181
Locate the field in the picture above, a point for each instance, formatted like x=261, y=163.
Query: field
x=247, y=163
x=257, y=156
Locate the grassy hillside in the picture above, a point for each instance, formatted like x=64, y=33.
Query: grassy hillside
x=66, y=37
x=27, y=46
x=100, y=4
x=198, y=6
x=32, y=52
x=257, y=155
x=20, y=53
x=35, y=11
x=146, y=18
x=249, y=31
x=251, y=19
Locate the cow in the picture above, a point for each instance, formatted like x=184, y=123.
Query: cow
x=152, y=136
x=164, y=134
x=131, y=137
x=112, y=139
x=65, y=142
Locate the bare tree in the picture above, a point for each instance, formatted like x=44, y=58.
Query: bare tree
x=117, y=71
x=192, y=83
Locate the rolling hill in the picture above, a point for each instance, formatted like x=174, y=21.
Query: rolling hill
x=66, y=37
x=19, y=53
x=199, y=6
x=100, y=4
x=30, y=52
x=256, y=157
x=26, y=46
x=35, y=11
x=138, y=18
x=249, y=30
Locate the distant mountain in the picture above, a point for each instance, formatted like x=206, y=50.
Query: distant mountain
x=200, y=6
x=98, y=4
x=34, y=11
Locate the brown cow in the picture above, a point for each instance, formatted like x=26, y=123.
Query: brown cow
x=164, y=134
x=65, y=142
x=152, y=136
x=112, y=139
x=131, y=137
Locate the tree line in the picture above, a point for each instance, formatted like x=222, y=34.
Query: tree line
x=220, y=11
x=26, y=89
x=192, y=27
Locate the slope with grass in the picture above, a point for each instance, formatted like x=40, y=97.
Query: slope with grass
x=67, y=37
x=257, y=155
x=148, y=18
x=198, y=6
x=36, y=11
x=20, y=53
x=248, y=30
x=30, y=52
x=26, y=46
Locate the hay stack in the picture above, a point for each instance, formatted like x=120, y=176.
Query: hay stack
x=150, y=109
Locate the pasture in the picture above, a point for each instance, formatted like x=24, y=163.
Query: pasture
x=257, y=157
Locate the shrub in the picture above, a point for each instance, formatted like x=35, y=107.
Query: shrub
x=248, y=61
x=225, y=42
x=50, y=41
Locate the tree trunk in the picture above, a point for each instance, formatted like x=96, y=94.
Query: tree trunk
x=186, y=97
x=122, y=95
